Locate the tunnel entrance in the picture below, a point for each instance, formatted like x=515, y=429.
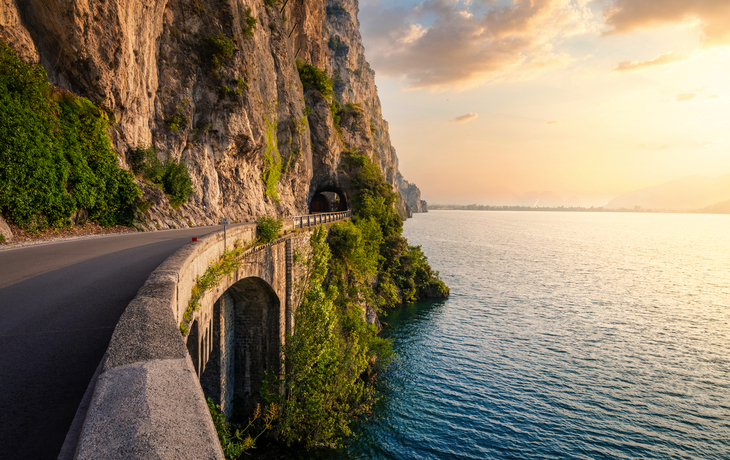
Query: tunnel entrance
x=320, y=203
x=328, y=200
x=247, y=332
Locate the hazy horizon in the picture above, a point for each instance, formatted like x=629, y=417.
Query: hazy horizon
x=588, y=100
x=689, y=193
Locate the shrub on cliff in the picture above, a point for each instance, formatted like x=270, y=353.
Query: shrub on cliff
x=337, y=45
x=267, y=229
x=355, y=261
x=55, y=155
x=176, y=183
x=272, y=160
x=171, y=177
x=313, y=77
x=248, y=24
x=217, y=49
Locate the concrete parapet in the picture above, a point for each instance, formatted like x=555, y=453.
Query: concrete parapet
x=149, y=410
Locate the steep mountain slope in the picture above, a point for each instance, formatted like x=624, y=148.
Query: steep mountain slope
x=214, y=84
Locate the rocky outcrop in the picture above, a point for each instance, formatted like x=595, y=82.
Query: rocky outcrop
x=12, y=30
x=412, y=195
x=6, y=234
x=214, y=84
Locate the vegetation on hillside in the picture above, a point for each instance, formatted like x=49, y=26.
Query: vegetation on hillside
x=326, y=359
x=272, y=160
x=404, y=274
x=236, y=438
x=217, y=49
x=313, y=77
x=334, y=352
x=267, y=229
x=55, y=155
x=248, y=24
x=171, y=177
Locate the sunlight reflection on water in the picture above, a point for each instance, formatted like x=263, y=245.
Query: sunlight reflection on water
x=567, y=335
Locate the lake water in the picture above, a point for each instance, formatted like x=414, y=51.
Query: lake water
x=567, y=335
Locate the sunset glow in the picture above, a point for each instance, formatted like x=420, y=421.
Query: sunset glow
x=588, y=100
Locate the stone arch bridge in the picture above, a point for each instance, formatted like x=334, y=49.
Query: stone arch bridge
x=149, y=397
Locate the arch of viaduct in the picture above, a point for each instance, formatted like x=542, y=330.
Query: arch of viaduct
x=148, y=400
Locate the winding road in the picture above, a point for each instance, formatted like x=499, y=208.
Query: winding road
x=59, y=304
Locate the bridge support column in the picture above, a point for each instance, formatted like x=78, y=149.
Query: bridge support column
x=289, y=310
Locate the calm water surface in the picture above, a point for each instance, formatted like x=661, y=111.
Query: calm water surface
x=567, y=335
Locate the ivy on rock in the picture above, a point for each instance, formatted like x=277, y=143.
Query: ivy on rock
x=55, y=154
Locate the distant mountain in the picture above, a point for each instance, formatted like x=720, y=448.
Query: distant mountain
x=687, y=194
x=717, y=208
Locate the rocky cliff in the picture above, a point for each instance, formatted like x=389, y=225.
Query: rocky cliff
x=412, y=196
x=214, y=84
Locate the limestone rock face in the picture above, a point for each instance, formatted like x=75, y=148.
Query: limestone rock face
x=12, y=30
x=5, y=231
x=214, y=84
x=412, y=195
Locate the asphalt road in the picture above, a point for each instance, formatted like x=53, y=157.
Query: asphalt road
x=59, y=304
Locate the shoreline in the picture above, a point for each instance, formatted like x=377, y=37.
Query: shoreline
x=565, y=209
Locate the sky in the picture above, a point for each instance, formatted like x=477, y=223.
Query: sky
x=569, y=101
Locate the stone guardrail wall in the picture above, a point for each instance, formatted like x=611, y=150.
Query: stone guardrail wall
x=145, y=400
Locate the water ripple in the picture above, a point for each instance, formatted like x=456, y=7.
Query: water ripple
x=582, y=336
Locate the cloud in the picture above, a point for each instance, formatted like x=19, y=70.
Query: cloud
x=437, y=44
x=654, y=146
x=712, y=16
x=553, y=122
x=464, y=118
x=659, y=60
x=706, y=145
x=686, y=97
x=714, y=96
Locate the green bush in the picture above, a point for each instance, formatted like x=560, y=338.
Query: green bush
x=336, y=109
x=171, y=177
x=312, y=77
x=268, y=228
x=375, y=197
x=355, y=251
x=176, y=183
x=336, y=10
x=176, y=120
x=217, y=49
x=144, y=162
x=337, y=45
x=55, y=154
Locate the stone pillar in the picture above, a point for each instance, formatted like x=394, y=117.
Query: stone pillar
x=289, y=307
